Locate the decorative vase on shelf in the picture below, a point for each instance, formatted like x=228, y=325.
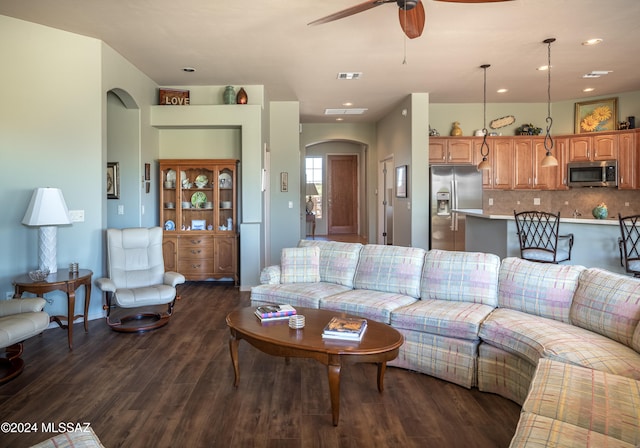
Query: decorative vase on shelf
x=229, y=95
x=600, y=211
x=455, y=130
x=242, y=97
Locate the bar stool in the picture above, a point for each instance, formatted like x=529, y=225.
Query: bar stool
x=629, y=243
x=539, y=238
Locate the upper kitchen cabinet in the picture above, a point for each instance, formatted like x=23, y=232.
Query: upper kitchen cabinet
x=628, y=161
x=451, y=150
x=590, y=148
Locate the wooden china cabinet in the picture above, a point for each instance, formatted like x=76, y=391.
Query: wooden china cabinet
x=198, y=210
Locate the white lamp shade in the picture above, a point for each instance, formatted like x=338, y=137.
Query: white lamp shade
x=47, y=208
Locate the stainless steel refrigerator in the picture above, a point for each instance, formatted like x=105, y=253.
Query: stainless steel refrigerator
x=452, y=187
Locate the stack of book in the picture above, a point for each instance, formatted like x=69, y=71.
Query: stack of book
x=345, y=328
x=274, y=312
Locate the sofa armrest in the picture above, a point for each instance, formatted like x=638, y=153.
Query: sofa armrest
x=105, y=284
x=173, y=278
x=19, y=306
x=270, y=275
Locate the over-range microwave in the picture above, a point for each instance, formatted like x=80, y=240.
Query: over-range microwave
x=593, y=174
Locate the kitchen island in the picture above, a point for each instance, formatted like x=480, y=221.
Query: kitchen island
x=595, y=240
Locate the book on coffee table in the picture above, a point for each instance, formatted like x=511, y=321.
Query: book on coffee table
x=274, y=312
x=346, y=328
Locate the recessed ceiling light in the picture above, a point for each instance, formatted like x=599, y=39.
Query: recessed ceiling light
x=543, y=68
x=339, y=119
x=502, y=90
x=588, y=89
x=595, y=41
x=189, y=69
x=347, y=104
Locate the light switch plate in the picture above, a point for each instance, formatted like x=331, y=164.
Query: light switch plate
x=76, y=215
x=536, y=201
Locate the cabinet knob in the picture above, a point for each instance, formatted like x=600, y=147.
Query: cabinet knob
x=196, y=241
x=193, y=251
x=195, y=266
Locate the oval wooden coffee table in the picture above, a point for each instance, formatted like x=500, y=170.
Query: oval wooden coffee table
x=379, y=344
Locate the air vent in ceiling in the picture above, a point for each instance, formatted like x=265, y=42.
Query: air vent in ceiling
x=349, y=75
x=596, y=73
x=353, y=111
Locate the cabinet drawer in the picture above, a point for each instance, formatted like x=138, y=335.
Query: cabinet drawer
x=196, y=241
x=195, y=267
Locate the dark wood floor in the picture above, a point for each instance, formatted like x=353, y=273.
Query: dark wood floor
x=173, y=388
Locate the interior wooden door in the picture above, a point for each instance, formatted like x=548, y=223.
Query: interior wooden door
x=342, y=194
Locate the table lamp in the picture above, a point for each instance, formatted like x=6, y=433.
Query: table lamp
x=47, y=210
x=311, y=191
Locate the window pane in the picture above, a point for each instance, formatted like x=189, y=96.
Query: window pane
x=313, y=173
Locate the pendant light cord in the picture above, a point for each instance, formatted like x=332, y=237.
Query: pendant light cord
x=548, y=141
x=484, y=148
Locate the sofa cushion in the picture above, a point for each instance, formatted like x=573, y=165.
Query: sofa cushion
x=338, y=261
x=457, y=320
x=597, y=401
x=534, y=337
x=393, y=269
x=540, y=431
x=540, y=289
x=300, y=265
x=608, y=304
x=376, y=305
x=307, y=295
x=460, y=277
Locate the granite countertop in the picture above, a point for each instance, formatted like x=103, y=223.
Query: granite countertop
x=479, y=213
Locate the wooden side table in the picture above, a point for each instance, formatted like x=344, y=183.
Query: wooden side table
x=312, y=219
x=63, y=281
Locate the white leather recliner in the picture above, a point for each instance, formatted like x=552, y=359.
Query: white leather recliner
x=136, y=279
x=20, y=319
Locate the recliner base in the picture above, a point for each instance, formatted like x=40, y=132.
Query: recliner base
x=13, y=364
x=139, y=323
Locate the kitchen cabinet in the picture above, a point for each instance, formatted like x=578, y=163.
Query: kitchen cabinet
x=591, y=148
x=198, y=209
x=628, y=161
x=451, y=150
x=500, y=176
x=528, y=170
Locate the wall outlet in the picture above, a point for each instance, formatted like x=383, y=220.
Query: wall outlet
x=490, y=201
x=9, y=295
x=120, y=209
x=536, y=201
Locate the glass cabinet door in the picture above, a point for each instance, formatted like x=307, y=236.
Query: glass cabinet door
x=168, y=194
x=196, y=198
x=226, y=199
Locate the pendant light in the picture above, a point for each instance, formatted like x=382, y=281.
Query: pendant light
x=549, y=160
x=484, y=148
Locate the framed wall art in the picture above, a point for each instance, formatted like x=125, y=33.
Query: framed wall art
x=596, y=116
x=113, y=180
x=401, y=181
x=284, y=181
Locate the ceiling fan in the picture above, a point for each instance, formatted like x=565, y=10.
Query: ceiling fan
x=410, y=13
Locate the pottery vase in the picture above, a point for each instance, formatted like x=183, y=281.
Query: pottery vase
x=600, y=211
x=242, y=97
x=229, y=95
x=455, y=130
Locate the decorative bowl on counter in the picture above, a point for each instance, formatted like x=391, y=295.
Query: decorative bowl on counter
x=38, y=275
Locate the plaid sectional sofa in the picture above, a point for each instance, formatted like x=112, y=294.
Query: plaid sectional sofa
x=474, y=320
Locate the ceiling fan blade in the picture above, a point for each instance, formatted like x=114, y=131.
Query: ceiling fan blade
x=412, y=20
x=472, y=1
x=350, y=11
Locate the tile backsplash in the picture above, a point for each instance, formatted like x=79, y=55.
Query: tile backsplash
x=582, y=200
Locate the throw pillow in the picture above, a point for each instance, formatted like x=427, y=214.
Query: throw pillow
x=300, y=265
